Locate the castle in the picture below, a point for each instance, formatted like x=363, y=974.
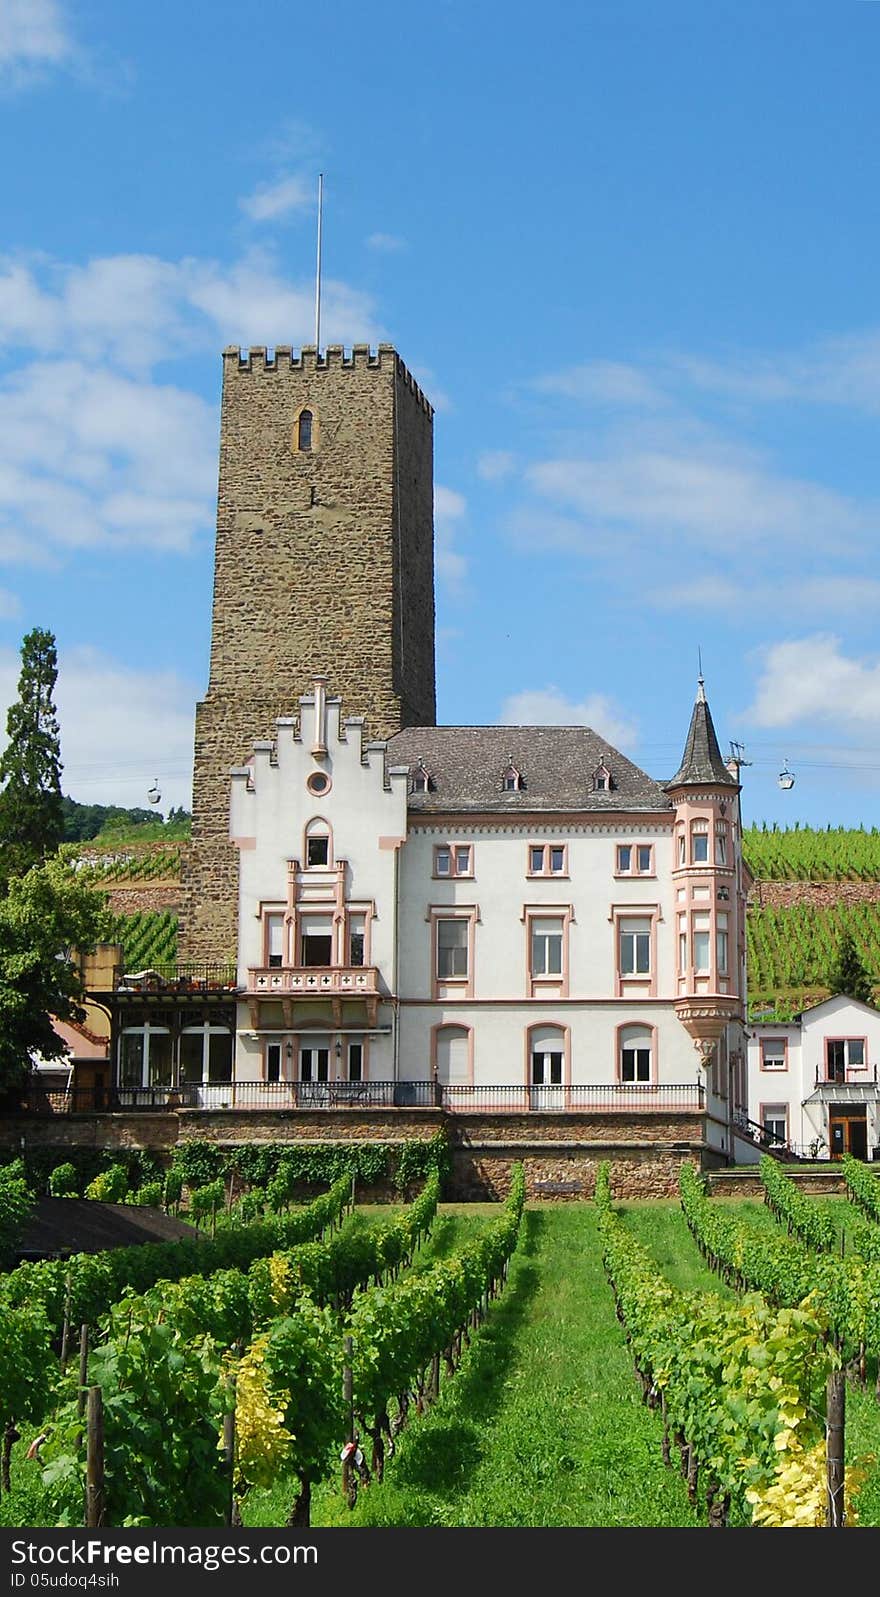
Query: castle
x=511, y=927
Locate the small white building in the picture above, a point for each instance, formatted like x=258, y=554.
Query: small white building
x=488, y=918
x=813, y=1081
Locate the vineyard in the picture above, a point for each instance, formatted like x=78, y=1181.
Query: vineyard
x=570, y=1364
x=148, y=938
x=805, y=854
x=791, y=950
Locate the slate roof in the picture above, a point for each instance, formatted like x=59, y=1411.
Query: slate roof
x=558, y=763
x=702, y=760
x=56, y=1227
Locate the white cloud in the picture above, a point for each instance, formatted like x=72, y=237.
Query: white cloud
x=137, y=310
x=700, y=593
x=721, y=496
x=270, y=202
x=494, y=465
x=604, y=382
x=91, y=457
x=386, y=243
x=837, y=371
x=809, y=680
x=33, y=36
x=120, y=728
x=449, y=511
x=549, y=707
x=10, y=605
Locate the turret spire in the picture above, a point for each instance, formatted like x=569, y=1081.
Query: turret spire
x=701, y=761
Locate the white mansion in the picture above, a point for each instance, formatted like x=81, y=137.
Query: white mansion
x=486, y=917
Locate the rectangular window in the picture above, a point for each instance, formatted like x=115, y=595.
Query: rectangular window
x=774, y=1119
x=635, y=946
x=721, y=943
x=357, y=938
x=453, y=859
x=274, y=940
x=843, y=1054
x=702, y=947
x=317, y=850
x=546, y=947
x=546, y=1068
x=682, y=847
x=682, y=945
x=721, y=844
x=452, y=949
x=314, y=1064
x=547, y=859
x=316, y=941
x=773, y=1053
x=635, y=859
x=699, y=848
x=273, y=1061
x=635, y=1064
x=355, y=1061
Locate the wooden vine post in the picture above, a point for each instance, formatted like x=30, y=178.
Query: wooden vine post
x=229, y=1515
x=349, y=1476
x=835, y=1417
x=65, y=1329
x=95, y=1458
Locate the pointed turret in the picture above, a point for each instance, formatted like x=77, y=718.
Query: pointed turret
x=702, y=760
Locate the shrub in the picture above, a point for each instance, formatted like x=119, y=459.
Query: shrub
x=110, y=1186
x=63, y=1182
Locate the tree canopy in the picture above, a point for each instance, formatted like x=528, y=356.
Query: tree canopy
x=31, y=814
x=45, y=916
x=848, y=974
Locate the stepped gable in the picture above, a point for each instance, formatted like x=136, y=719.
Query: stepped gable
x=702, y=760
x=558, y=765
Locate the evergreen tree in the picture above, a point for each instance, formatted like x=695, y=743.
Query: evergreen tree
x=848, y=974
x=31, y=811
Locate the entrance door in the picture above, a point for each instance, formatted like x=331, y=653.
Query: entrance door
x=546, y=1074
x=314, y=1073
x=848, y=1133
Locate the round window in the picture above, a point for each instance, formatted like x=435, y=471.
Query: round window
x=318, y=782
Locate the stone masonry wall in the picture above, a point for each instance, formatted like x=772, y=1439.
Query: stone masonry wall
x=645, y=1151
x=323, y=565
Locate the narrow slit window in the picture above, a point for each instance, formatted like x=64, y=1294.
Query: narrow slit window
x=304, y=434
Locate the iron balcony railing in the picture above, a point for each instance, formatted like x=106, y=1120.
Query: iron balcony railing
x=193, y=977
x=612, y=1098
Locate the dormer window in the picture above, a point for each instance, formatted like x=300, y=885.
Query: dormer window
x=512, y=780
x=602, y=779
x=420, y=779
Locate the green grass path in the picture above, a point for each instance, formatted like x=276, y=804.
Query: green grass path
x=542, y=1425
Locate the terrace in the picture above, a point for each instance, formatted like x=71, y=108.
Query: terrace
x=513, y=1098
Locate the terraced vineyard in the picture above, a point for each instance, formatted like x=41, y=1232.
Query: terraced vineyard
x=808, y=854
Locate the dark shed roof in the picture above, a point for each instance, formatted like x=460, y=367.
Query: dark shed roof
x=59, y=1226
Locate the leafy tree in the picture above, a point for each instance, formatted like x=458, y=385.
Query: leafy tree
x=46, y=914
x=31, y=814
x=848, y=974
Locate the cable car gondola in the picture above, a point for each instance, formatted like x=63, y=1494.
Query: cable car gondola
x=786, y=778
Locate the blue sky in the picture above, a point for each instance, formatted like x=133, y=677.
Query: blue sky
x=629, y=251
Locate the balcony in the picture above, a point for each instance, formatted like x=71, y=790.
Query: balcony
x=334, y=982
x=613, y=1098
x=168, y=980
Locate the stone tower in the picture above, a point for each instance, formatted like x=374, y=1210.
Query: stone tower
x=324, y=565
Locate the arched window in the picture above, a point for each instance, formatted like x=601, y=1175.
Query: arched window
x=304, y=431
x=453, y=1055
x=318, y=853
x=636, y=1053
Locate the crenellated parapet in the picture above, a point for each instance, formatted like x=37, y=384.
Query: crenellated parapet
x=335, y=357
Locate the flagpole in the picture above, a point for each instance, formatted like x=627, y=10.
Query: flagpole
x=318, y=267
